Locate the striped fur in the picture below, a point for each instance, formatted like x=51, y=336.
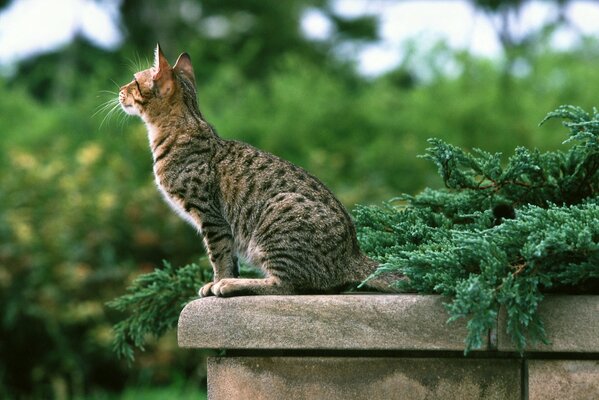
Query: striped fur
x=245, y=202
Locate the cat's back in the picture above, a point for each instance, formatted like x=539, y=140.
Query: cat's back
x=251, y=176
x=269, y=201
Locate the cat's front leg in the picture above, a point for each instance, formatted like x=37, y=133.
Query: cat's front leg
x=206, y=290
x=243, y=287
x=219, y=246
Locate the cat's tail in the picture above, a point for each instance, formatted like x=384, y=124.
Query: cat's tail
x=383, y=282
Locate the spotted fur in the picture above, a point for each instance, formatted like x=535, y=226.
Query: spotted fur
x=245, y=202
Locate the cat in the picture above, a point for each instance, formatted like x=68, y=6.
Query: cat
x=244, y=202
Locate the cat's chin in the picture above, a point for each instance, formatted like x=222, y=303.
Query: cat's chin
x=130, y=110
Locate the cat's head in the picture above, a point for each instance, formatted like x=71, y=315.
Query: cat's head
x=159, y=90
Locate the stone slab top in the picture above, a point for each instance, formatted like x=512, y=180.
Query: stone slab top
x=324, y=322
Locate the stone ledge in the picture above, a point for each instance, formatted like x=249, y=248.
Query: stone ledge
x=358, y=322
x=571, y=325
x=332, y=322
x=384, y=347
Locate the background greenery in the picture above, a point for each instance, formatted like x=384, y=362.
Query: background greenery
x=80, y=217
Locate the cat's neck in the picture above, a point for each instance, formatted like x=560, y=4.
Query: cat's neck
x=182, y=126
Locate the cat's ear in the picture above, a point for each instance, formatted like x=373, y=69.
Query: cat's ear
x=161, y=66
x=183, y=65
x=162, y=73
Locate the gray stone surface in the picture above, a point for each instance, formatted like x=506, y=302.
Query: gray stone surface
x=571, y=324
x=384, y=322
x=563, y=380
x=357, y=322
x=334, y=378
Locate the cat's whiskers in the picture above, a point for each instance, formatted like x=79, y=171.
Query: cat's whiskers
x=121, y=118
x=109, y=107
x=116, y=84
x=109, y=92
x=138, y=64
x=105, y=106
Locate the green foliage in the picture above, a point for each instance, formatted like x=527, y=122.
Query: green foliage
x=179, y=391
x=497, y=235
x=80, y=217
x=154, y=302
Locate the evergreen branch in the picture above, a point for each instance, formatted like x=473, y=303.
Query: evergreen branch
x=497, y=236
x=153, y=302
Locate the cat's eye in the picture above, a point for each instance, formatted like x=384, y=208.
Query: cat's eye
x=137, y=83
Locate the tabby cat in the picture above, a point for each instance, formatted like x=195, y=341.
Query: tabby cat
x=244, y=202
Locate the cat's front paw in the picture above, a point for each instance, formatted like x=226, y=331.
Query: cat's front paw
x=226, y=287
x=206, y=290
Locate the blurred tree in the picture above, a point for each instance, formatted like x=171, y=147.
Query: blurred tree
x=255, y=36
x=252, y=34
x=55, y=76
x=505, y=14
x=518, y=45
x=357, y=28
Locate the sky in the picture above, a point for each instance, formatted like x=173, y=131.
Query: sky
x=57, y=22
x=30, y=27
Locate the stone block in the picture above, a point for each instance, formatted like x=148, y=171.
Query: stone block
x=340, y=378
x=563, y=380
x=571, y=324
x=334, y=322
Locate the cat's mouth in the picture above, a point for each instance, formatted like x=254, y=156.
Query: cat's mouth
x=128, y=108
